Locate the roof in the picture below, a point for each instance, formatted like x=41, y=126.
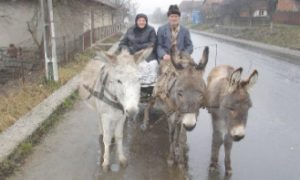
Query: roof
x=213, y=1
x=259, y=5
x=109, y=3
x=189, y=5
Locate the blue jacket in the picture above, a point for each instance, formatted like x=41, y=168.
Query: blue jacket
x=164, y=35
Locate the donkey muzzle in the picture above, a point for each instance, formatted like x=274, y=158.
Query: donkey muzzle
x=238, y=132
x=131, y=113
x=189, y=121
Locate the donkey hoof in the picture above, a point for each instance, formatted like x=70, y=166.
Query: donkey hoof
x=213, y=167
x=105, y=168
x=144, y=127
x=124, y=163
x=170, y=162
x=228, y=172
x=181, y=166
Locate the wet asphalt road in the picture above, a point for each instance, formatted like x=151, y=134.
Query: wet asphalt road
x=270, y=150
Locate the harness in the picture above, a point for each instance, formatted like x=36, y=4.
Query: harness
x=112, y=101
x=165, y=97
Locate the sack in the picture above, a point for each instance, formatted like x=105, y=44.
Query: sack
x=148, y=73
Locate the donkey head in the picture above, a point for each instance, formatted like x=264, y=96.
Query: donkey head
x=189, y=88
x=237, y=102
x=123, y=80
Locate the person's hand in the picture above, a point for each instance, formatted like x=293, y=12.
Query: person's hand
x=167, y=57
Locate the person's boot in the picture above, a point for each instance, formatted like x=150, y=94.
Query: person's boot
x=146, y=93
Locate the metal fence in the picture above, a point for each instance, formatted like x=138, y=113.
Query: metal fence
x=68, y=46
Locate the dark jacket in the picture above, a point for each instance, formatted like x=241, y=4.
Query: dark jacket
x=164, y=35
x=136, y=39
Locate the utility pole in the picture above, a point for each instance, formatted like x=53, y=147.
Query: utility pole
x=53, y=42
x=51, y=67
x=92, y=26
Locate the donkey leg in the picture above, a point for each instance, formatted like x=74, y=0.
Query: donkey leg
x=146, y=113
x=101, y=144
x=217, y=141
x=227, y=147
x=171, y=156
x=107, y=136
x=119, y=142
x=100, y=126
x=182, y=139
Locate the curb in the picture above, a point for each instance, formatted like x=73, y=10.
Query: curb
x=284, y=54
x=12, y=137
x=26, y=125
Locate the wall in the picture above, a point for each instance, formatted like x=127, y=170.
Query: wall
x=287, y=5
x=287, y=17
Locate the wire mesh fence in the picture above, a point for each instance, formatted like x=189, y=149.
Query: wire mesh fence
x=17, y=62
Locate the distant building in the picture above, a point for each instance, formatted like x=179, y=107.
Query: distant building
x=191, y=11
x=288, y=5
x=287, y=12
x=211, y=8
x=255, y=9
x=15, y=15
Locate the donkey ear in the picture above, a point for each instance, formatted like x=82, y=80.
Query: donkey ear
x=203, y=62
x=235, y=79
x=106, y=57
x=142, y=55
x=249, y=83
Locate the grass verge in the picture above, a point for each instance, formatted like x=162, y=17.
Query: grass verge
x=17, y=158
x=287, y=36
x=21, y=99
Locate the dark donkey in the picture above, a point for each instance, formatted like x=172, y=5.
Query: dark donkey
x=228, y=101
x=182, y=101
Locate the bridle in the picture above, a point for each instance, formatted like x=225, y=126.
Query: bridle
x=112, y=100
x=174, y=108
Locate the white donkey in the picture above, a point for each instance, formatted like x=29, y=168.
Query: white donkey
x=116, y=93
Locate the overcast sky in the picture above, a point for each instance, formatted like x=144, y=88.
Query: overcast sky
x=148, y=6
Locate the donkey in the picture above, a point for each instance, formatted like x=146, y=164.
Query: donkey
x=116, y=93
x=181, y=104
x=228, y=102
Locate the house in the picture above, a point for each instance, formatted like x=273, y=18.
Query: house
x=288, y=5
x=191, y=11
x=70, y=19
x=211, y=8
x=287, y=12
x=255, y=9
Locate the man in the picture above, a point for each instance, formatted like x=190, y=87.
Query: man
x=168, y=35
x=173, y=33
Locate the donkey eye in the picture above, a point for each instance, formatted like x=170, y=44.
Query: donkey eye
x=180, y=93
x=119, y=81
x=230, y=108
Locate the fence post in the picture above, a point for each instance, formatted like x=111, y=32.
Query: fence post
x=22, y=65
x=75, y=45
x=65, y=50
x=83, y=42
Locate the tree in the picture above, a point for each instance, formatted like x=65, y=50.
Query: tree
x=158, y=16
x=272, y=4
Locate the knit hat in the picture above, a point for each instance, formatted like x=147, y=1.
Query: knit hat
x=138, y=16
x=173, y=9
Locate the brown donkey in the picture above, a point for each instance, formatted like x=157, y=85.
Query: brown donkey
x=181, y=102
x=228, y=102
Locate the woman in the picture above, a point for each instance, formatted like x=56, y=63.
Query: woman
x=138, y=37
